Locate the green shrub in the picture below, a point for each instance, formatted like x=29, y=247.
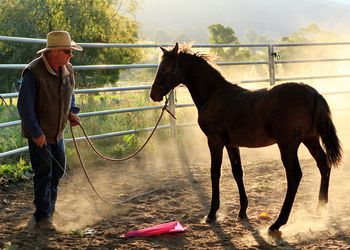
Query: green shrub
x=10, y=173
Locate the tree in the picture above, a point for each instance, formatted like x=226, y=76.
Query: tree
x=219, y=34
x=86, y=21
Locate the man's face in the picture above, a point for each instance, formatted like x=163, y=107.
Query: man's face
x=62, y=56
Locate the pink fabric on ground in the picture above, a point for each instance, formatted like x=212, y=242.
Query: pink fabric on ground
x=170, y=227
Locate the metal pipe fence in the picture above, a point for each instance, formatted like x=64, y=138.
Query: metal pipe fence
x=272, y=60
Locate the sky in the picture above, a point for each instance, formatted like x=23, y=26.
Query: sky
x=341, y=1
x=273, y=18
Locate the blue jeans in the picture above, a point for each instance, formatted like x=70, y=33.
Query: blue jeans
x=47, y=174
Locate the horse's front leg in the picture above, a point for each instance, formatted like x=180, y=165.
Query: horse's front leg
x=237, y=172
x=215, y=170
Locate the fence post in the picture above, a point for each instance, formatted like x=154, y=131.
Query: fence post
x=271, y=64
x=172, y=109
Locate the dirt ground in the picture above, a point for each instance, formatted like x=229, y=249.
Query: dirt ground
x=177, y=187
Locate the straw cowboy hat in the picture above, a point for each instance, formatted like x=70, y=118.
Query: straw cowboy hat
x=59, y=40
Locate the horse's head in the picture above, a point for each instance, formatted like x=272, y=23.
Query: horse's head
x=168, y=74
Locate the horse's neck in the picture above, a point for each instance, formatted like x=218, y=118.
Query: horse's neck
x=202, y=80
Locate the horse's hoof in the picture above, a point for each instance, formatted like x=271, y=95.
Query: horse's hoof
x=242, y=216
x=275, y=233
x=210, y=219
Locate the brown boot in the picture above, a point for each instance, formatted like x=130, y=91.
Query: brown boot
x=45, y=224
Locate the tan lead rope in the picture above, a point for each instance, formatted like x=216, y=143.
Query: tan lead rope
x=115, y=159
x=135, y=153
x=104, y=157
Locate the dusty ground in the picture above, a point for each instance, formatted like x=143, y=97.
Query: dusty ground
x=178, y=188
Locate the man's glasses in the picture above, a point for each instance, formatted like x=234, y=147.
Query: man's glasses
x=67, y=51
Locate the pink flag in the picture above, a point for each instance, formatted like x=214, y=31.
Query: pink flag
x=170, y=227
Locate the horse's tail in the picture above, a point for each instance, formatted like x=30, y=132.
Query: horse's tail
x=326, y=129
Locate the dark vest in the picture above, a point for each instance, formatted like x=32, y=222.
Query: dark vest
x=53, y=99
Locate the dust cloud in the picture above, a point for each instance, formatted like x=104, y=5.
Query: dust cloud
x=119, y=183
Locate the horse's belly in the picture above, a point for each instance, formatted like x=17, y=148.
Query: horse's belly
x=251, y=140
x=257, y=144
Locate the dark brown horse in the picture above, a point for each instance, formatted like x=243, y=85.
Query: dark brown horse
x=231, y=116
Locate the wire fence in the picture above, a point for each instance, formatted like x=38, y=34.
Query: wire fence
x=271, y=54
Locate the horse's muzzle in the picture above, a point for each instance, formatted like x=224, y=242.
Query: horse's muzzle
x=156, y=94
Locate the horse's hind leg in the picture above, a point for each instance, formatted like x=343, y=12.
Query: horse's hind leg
x=291, y=164
x=216, y=150
x=313, y=145
x=237, y=172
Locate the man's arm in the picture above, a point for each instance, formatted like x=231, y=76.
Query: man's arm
x=26, y=109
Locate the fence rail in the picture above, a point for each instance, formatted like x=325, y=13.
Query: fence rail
x=272, y=61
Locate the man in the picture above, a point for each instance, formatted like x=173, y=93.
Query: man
x=45, y=103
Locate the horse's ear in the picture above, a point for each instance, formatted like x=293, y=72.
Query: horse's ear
x=163, y=49
x=175, y=49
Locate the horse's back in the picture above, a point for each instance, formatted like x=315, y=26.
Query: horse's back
x=260, y=117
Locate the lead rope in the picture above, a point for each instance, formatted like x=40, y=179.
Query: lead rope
x=100, y=196
x=63, y=168
x=70, y=177
x=165, y=108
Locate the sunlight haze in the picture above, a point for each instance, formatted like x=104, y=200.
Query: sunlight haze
x=273, y=18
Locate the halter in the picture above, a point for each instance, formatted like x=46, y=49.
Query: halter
x=177, y=70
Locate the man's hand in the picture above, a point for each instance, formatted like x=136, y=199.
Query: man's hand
x=40, y=141
x=74, y=119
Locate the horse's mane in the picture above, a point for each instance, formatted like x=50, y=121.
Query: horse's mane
x=206, y=58
x=186, y=48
